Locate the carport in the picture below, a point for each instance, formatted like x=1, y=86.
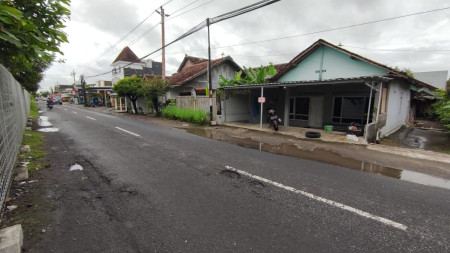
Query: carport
x=310, y=104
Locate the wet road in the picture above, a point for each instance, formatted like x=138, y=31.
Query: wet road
x=147, y=188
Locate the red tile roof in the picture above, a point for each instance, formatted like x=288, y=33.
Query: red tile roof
x=191, y=60
x=196, y=70
x=127, y=55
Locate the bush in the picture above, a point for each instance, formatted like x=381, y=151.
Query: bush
x=198, y=117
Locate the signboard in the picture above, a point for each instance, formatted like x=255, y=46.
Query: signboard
x=261, y=100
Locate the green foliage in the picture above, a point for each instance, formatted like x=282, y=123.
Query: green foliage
x=197, y=117
x=442, y=108
x=407, y=71
x=30, y=34
x=45, y=93
x=154, y=88
x=36, y=157
x=33, y=108
x=130, y=87
x=252, y=75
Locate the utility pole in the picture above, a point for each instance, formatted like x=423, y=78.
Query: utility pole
x=83, y=86
x=163, y=70
x=73, y=74
x=209, y=76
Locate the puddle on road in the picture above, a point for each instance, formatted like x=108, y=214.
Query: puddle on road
x=75, y=166
x=45, y=125
x=325, y=156
x=48, y=130
x=44, y=121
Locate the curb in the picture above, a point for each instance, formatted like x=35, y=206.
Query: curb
x=11, y=239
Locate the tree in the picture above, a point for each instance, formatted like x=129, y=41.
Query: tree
x=154, y=88
x=30, y=35
x=442, y=107
x=130, y=87
x=252, y=75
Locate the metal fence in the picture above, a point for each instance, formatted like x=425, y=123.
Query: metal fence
x=14, y=110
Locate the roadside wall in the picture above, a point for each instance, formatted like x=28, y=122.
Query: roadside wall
x=398, y=107
x=196, y=103
x=14, y=111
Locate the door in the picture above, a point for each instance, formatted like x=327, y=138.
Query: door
x=316, y=111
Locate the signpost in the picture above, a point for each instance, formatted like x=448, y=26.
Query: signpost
x=261, y=100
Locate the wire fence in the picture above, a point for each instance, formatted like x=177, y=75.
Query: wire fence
x=14, y=110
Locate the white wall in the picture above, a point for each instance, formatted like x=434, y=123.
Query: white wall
x=398, y=106
x=237, y=108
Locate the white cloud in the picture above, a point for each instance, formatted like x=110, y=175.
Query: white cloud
x=96, y=26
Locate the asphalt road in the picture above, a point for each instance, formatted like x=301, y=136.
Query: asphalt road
x=146, y=188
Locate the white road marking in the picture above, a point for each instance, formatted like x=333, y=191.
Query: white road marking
x=90, y=118
x=126, y=131
x=324, y=200
x=75, y=112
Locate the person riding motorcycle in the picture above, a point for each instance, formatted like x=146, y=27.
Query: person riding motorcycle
x=50, y=103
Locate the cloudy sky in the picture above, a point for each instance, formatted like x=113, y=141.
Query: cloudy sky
x=276, y=33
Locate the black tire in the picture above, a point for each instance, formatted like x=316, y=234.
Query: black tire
x=275, y=127
x=311, y=134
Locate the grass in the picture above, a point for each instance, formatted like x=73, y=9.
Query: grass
x=198, y=117
x=36, y=157
x=33, y=109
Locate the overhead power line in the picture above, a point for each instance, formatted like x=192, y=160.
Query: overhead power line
x=102, y=55
x=339, y=28
x=240, y=11
x=401, y=50
x=190, y=10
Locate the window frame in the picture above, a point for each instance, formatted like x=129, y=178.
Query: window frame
x=297, y=116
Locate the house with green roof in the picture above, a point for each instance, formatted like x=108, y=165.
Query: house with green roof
x=328, y=85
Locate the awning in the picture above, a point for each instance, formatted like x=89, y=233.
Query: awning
x=311, y=82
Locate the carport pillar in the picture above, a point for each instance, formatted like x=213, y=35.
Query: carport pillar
x=260, y=120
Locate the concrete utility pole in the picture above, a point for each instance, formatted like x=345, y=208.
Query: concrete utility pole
x=163, y=70
x=73, y=74
x=83, y=87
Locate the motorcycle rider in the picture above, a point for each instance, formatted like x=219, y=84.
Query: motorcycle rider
x=50, y=103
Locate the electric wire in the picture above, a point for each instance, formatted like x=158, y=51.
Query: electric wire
x=400, y=50
x=189, y=10
x=184, y=7
x=113, y=47
x=338, y=28
x=241, y=11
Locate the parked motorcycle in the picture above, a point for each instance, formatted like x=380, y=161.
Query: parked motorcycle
x=273, y=119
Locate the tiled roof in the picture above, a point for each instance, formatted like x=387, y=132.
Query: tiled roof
x=196, y=70
x=192, y=59
x=127, y=56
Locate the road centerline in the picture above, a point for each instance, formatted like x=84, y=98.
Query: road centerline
x=324, y=200
x=126, y=131
x=90, y=118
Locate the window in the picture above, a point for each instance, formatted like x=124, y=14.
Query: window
x=299, y=108
x=350, y=109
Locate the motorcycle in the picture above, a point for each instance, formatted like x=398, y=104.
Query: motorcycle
x=50, y=106
x=273, y=119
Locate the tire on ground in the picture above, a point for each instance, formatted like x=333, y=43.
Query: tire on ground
x=311, y=134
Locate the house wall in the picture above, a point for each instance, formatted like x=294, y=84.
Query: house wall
x=334, y=64
x=237, y=107
x=398, y=107
x=202, y=81
x=328, y=92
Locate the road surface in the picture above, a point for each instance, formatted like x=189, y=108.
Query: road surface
x=147, y=188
